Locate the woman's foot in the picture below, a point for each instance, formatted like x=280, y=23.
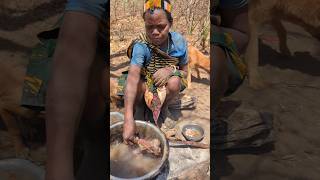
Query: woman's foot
x=165, y=117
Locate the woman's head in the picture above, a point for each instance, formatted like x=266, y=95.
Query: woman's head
x=158, y=20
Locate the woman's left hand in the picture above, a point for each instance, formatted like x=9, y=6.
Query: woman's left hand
x=162, y=76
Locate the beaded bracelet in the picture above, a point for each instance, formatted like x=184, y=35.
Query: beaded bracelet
x=176, y=72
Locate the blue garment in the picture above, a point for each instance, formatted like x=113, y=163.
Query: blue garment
x=96, y=8
x=232, y=4
x=141, y=53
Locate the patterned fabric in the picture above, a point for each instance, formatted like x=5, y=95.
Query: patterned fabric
x=37, y=75
x=159, y=59
x=236, y=65
x=152, y=4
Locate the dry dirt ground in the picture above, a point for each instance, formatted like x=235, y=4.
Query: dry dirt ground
x=293, y=98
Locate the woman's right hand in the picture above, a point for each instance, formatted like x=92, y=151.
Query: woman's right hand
x=129, y=128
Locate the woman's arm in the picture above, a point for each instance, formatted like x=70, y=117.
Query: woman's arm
x=67, y=90
x=129, y=101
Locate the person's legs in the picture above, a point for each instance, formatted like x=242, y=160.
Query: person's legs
x=235, y=22
x=139, y=104
x=140, y=92
x=173, y=88
x=220, y=75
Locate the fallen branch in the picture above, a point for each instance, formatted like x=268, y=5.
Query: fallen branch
x=293, y=85
x=189, y=143
x=122, y=52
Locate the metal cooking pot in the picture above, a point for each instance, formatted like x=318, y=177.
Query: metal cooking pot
x=146, y=130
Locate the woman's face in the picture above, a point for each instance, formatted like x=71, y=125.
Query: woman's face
x=157, y=26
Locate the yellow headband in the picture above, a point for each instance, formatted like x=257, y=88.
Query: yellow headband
x=151, y=4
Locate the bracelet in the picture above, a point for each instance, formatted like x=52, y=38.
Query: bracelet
x=174, y=68
x=177, y=73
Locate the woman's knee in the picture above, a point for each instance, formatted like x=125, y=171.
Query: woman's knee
x=220, y=70
x=173, y=85
x=140, y=92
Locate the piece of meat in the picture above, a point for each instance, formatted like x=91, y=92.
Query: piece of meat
x=151, y=146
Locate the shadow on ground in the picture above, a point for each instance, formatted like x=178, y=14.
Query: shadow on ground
x=299, y=61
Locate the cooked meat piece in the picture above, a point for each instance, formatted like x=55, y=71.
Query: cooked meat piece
x=151, y=146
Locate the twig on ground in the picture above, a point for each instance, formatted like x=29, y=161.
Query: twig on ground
x=190, y=143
